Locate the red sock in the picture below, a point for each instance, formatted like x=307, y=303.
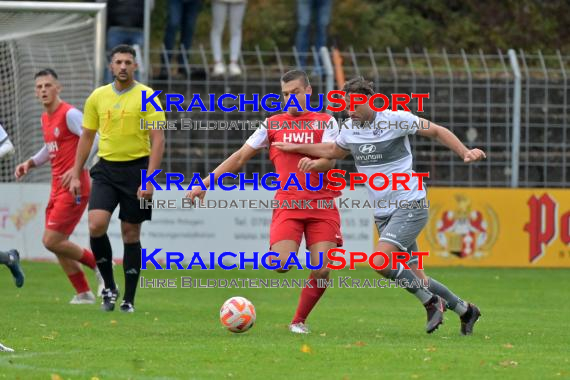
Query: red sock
x=308, y=300
x=79, y=282
x=88, y=259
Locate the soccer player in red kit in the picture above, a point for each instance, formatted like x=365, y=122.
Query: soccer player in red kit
x=321, y=227
x=61, y=125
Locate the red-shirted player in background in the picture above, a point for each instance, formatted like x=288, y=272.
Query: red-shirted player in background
x=321, y=227
x=61, y=125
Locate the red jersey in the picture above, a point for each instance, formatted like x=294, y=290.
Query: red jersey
x=300, y=129
x=60, y=141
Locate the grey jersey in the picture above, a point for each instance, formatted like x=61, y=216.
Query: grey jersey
x=385, y=148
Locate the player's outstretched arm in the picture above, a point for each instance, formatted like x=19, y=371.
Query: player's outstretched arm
x=328, y=150
x=307, y=164
x=83, y=150
x=447, y=138
x=231, y=165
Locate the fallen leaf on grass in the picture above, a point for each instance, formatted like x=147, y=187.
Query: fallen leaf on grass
x=509, y=363
x=508, y=345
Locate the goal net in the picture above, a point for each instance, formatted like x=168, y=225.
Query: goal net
x=67, y=37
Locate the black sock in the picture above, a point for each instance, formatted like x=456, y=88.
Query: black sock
x=101, y=247
x=132, y=268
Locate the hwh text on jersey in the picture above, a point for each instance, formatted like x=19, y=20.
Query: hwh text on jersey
x=52, y=146
x=301, y=138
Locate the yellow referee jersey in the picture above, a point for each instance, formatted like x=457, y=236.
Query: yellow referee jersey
x=117, y=117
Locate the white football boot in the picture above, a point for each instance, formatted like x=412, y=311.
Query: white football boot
x=85, y=298
x=5, y=349
x=299, y=328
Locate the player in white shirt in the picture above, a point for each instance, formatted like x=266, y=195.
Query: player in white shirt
x=385, y=147
x=11, y=258
x=6, y=147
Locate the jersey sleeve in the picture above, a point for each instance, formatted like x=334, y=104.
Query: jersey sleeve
x=74, y=119
x=341, y=140
x=409, y=122
x=41, y=157
x=90, y=116
x=260, y=138
x=332, y=131
x=152, y=114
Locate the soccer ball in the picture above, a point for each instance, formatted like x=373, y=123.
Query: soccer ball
x=237, y=314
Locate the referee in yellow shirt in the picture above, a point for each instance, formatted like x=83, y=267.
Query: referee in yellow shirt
x=114, y=111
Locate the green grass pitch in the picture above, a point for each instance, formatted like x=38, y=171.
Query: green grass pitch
x=356, y=333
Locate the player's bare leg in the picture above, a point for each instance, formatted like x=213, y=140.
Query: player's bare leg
x=70, y=257
x=61, y=246
x=312, y=293
x=77, y=278
x=468, y=313
x=284, y=248
x=131, y=263
x=101, y=247
x=434, y=304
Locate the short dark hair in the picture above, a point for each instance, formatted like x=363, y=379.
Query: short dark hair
x=359, y=85
x=294, y=75
x=123, y=48
x=45, y=72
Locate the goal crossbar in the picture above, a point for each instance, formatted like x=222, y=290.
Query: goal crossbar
x=97, y=9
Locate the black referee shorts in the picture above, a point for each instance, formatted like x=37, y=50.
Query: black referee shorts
x=116, y=183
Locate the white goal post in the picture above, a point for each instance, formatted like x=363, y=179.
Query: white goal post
x=67, y=37
x=96, y=10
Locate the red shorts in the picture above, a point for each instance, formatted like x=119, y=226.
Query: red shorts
x=62, y=211
x=318, y=225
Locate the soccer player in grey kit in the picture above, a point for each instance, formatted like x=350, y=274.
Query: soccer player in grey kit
x=385, y=147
